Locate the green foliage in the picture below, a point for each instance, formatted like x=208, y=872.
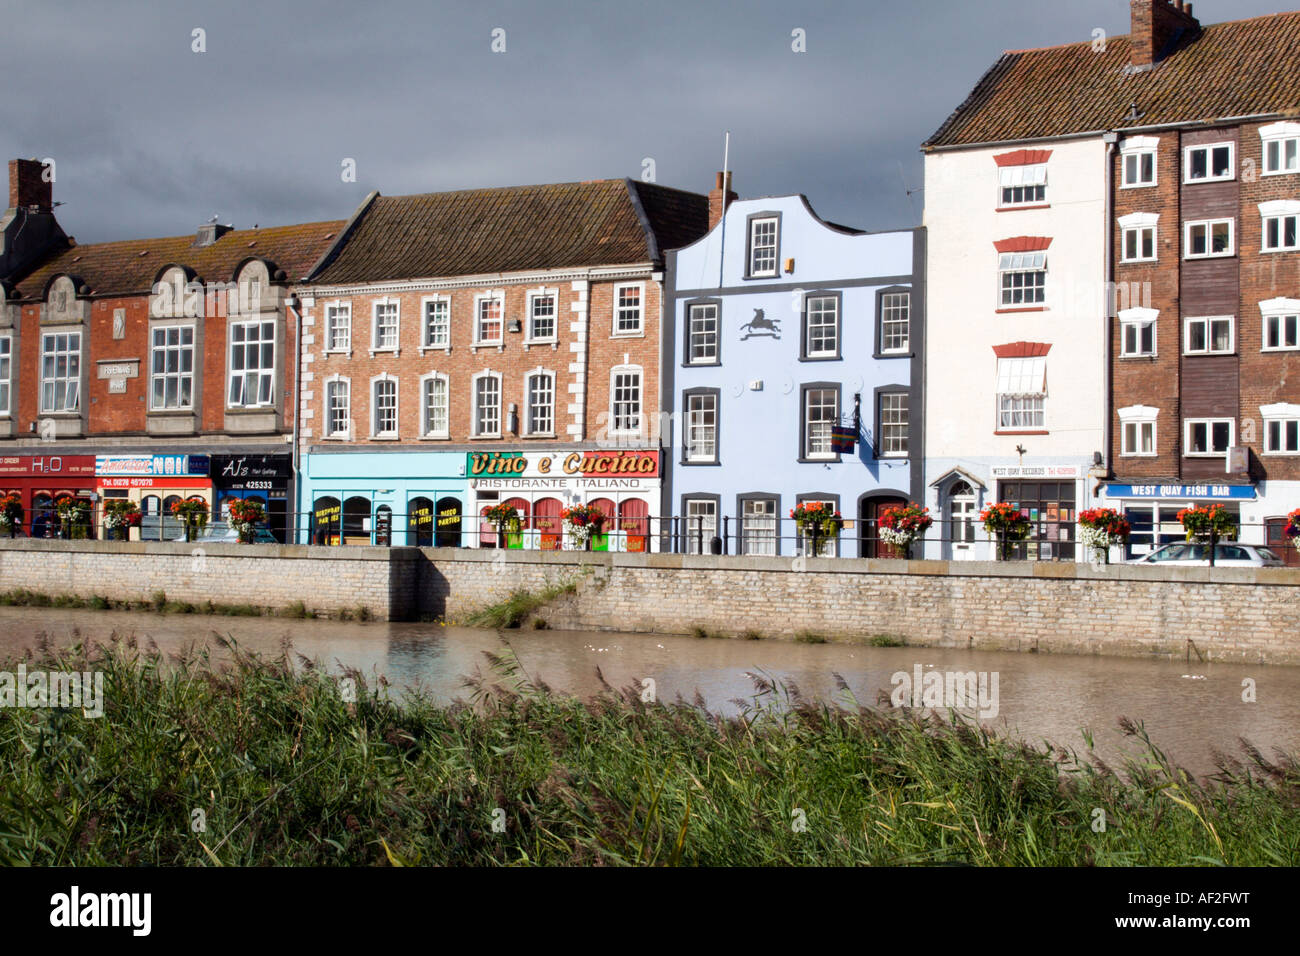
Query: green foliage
x=288, y=772
x=515, y=609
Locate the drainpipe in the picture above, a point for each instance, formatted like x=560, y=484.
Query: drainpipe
x=292, y=305
x=1108, y=297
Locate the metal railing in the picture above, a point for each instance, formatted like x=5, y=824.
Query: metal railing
x=678, y=534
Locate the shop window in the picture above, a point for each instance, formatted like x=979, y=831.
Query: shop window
x=356, y=520
x=600, y=540
x=419, y=523
x=634, y=523
x=548, y=523
x=515, y=542
x=384, y=526
x=327, y=519
x=448, y=523
x=1050, y=508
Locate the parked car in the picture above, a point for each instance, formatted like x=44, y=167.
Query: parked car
x=1227, y=554
x=220, y=532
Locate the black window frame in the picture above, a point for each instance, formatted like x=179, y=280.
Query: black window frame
x=685, y=531
x=686, y=332
x=749, y=240
x=878, y=434
x=880, y=322
x=838, y=296
x=804, y=389
x=834, y=499
x=740, y=520
x=686, y=427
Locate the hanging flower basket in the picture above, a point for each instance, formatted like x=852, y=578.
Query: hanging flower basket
x=1214, y=523
x=245, y=516
x=11, y=514
x=1006, y=523
x=120, y=516
x=817, y=522
x=74, y=517
x=581, y=522
x=901, y=526
x=193, y=513
x=1293, y=528
x=1100, y=528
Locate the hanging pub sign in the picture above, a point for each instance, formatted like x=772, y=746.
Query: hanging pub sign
x=843, y=439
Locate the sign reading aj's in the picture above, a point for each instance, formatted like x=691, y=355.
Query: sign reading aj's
x=496, y=464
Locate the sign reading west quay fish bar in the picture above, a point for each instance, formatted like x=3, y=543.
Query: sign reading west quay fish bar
x=577, y=469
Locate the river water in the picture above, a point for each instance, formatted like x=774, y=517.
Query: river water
x=1190, y=710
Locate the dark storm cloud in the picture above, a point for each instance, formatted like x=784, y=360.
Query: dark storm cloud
x=152, y=138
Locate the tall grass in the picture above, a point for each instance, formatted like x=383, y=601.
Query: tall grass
x=286, y=770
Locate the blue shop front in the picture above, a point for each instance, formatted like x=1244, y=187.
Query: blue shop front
x=387, y=499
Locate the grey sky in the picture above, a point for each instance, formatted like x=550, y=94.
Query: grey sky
x=151, y=138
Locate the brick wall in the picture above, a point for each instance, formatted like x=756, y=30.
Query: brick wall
x=581, y=359
x=379, y=579
x=1228, y=614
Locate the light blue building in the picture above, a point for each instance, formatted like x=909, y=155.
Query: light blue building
x=385, y=498
x=784, y=326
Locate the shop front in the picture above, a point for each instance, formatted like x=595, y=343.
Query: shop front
x=40, y=481
x=1050, y=497
x=264, y=479
x=1152, y=510
x=155, y=483
x=415, y=499
x=623, y=485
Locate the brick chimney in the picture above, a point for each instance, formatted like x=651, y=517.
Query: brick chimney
x=1158, y=27
x=716, y=203
x=27, y=187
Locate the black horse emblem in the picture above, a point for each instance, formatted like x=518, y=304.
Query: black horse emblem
x=761, y=326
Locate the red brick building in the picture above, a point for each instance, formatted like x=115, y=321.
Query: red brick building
x=177, y=349
x=1201, y=125
x=523, y=322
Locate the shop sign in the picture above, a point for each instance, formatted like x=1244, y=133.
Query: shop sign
x=157, y=466
x=119, y=369
x=1183, y=492
x=251, y=472
x=578, y=464
x=1036, y=471
x=147, y=482
x=39, y=466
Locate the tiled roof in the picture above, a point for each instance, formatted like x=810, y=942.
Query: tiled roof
x=124, y=268
x=479, y=231
x=1237, y=69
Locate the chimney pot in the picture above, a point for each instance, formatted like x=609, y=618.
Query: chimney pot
x=1157, y=28
x=717, y=204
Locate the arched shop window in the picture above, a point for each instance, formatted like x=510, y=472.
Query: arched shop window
x=524, y=508
x=549, y=524
x=420, y=519
x=634, y=522
x=327, y=519
x=487, y=531
x=384, y=526
x=448, y=524
x=42, y=509
x=150, y=518
x=600, y=542
x=356, y=520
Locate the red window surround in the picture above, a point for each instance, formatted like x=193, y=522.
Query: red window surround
x=1023, y=244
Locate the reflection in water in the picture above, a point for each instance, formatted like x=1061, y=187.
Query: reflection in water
x=1191, y=710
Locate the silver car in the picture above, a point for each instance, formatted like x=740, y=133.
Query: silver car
x=1227, y=554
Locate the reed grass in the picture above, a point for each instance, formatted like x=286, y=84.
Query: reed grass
x=288, y=770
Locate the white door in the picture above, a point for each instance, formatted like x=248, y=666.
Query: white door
x=961, y=522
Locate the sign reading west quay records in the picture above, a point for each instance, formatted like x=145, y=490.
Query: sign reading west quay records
x=1183, y=492
x=152, y=466
x=1036, y=471
x=575, y=464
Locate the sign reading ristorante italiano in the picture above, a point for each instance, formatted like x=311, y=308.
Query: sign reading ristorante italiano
x=577, y=464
